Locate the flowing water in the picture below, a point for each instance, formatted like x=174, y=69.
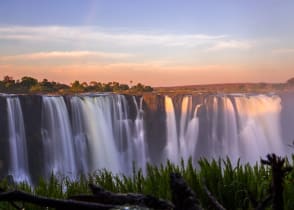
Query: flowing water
x=240, y=126
x=57, y=136
x=84, y=133
x=18, y=165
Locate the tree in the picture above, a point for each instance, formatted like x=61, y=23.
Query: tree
x=84, y=84
x=1, y=85
x=7, y=79
x=76, y=86
x=148, y=89
x=123, y=87
x=93, y=83
x=28, y=82
x=142, y=88
x=9, y=82
x=46, y=86
x=36, y=88
x=290, y=81
x=139, y=87
x=94, y=86
x=115, y=86
x=107, y=87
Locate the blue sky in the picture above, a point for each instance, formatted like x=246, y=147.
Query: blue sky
x=158, y=42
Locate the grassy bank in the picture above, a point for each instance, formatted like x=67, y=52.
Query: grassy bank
x=231, y=185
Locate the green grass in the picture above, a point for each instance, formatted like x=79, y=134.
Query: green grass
x=230, y=184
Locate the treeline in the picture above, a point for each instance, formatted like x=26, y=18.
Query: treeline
x=31, y=85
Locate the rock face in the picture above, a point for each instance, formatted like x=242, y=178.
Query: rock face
x=4, y=152
x=155, y=124
x=32, y=115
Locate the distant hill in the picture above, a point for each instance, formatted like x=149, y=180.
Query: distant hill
x=229, y=88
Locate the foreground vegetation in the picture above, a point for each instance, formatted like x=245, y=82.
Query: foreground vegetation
x=232, y=186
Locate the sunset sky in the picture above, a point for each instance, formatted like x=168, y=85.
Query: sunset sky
x=156, y=42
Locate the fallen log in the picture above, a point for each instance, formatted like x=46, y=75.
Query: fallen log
x=103, y=196
x=50, y=202
x=212, y=199
x=183, y=197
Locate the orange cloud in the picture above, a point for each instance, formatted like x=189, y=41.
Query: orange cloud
x=63, y=55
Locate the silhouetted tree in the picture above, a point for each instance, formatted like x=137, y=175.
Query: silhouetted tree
x=8, y=81
x=76, y=86
x=28, y=82
x=123, y=87
x=290, y=81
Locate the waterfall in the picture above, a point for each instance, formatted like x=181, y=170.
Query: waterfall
x=223, y=139
x=230, y=142
x=79, y=135
x=83, y=133
x=18, y=166
x=240, y=126
x=57, y=137
x=181, y=143
x=138, y=137
x=259, y=126
x=191, y=134
x=172, y=145
x=214, y=118
x=113, y=140
x=97, y=116
x=123, y=129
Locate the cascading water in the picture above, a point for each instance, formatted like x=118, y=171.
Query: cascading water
x=240, y=126
x=58, y=142
x=18, y=166
x=79, y=135
x=224, y=137
x=229, y=139
x=141, y=157
x=259, y=126
x=189, y=127
x=97, y=116
x=112, y=138
x=181, y=143
x=172, y=152
x=123, y=132
x=84, y=133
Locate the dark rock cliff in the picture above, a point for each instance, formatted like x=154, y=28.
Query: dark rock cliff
x=4, y=149
x=155, y=124
x=32, y=115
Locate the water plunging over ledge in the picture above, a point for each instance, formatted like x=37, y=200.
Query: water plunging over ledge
x=77, y=134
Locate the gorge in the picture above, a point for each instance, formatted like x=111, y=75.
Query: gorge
x=77, y=134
